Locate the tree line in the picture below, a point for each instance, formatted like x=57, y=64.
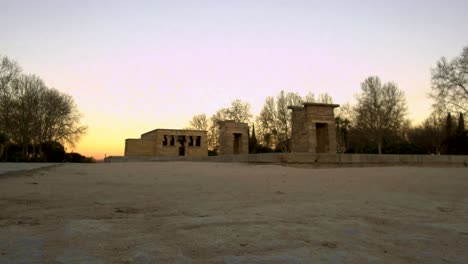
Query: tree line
x=36, y=121
x=377, y=123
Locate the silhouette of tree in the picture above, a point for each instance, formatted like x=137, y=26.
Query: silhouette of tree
x=430, y=135
x=380, y=109
x=448, y=135
x=450, y=83
x=275, y=121
x=253, y=141
x=9, y=72
x=199, y=122
x=461, y=137
x=342, y=129
x=3, y=142
x=461, y=124
x=31, y=113
x=325, y=98
x=238, y=111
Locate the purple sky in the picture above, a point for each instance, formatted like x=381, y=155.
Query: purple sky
x=133, y=66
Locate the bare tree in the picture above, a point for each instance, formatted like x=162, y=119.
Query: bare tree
x=267, y=121
x=238, y=111
x=346, y=111
x=61, y=118
x=380, y=109
x=325, y=99
x=450, y=84
x=283, y=132
x=26, y=101
x=9, y=72
x=344, y=121
x=274, y=121
x=31, y=113
x=430, y=135
x=199, y=122
x=213, y=129
x=309, y=98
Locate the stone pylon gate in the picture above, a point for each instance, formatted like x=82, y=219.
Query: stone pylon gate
x=313, y=128
x=233, y=138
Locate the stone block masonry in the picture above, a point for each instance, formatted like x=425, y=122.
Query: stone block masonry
x=233, y=138
x=312, y=158
x=313, y=128
x=168, y=142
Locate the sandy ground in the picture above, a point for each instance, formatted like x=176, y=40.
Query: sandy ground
x=12, y=168
x=189, y=212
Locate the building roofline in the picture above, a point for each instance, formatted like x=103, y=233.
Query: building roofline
x=321, y=104
x=312, y=104
x=167, y=129
x=232, y=121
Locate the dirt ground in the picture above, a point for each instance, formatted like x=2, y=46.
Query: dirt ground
x=200, y=212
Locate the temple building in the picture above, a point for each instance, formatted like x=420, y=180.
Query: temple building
x=168, y=142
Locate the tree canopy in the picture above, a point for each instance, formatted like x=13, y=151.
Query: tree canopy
x=380, y=108
x=450, y=83
x=198, y=122
x=32, y=113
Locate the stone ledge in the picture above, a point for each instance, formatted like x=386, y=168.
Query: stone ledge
x=309, y=158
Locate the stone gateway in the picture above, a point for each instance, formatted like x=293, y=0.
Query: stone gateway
x=313, y=128
x=233, y=138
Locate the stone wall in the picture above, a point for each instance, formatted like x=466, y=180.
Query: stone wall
x=233, y=138
x=311, y=158
x=139, y=147
x=300, y=131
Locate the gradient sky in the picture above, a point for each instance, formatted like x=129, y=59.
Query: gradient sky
x=133, y=66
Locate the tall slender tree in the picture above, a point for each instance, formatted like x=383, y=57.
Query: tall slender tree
x=275, y=119
x=9, y=73
x=461, y=124
x=253, y=141
x=448, y=142
x=461, y=137
x=381, y=108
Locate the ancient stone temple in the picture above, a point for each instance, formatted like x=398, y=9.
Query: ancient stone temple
x=233, y=138
x=313, y=128
x=168, y=142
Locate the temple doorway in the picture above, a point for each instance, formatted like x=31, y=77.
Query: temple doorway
x=237, y=143
x=181, y=140
x=322, y=137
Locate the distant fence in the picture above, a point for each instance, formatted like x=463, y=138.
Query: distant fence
x=310, y=158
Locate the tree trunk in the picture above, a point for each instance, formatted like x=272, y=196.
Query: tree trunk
x=41, y=154
x=379, y=147
x=2, y=148
x=25, y=151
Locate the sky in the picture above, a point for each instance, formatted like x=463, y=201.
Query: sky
x=134, y=66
